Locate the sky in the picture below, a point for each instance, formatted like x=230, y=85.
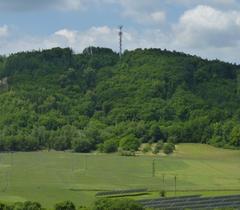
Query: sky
x=207, y=28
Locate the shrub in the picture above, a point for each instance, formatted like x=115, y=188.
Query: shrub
x=172, y=145
x=126, y=153
x=65, y=205
x=117, y=204
x=29, y=205
x=129, y=143
x=18, y=206
x=147, y=148
x=162, y=193
x=110, y=146
x=83, y=208
x=82, y=144
x=168, y=148
x=155, y=132
x=158, y=147
x=217, y=141
x=5, y=207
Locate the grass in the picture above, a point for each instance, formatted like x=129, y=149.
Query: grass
x=50, y=177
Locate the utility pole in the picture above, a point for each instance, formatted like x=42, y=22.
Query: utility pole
x=7, y=182
x=238, y=84
x=163, y=180
x=86, y=166
x=120, y=40
x=72, y=164
x=12, y=159
x=90, y=51
x=153, y=168
x=175, y=184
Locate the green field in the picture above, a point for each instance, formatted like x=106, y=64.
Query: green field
x=50, y=177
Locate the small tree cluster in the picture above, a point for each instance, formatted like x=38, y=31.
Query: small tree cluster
x=117, y=204
x=168, y=148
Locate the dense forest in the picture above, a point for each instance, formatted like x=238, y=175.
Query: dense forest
x=56, y=99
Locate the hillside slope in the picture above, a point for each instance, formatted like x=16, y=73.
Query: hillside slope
x=59, y=100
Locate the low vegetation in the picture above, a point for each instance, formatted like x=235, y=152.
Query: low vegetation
x=168, y=148
x=51, y=177
x=109, y=204
x=101, y=204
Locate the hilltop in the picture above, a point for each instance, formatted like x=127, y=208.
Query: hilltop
x=55, y=99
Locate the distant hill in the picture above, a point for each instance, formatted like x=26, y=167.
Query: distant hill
x=59, y=100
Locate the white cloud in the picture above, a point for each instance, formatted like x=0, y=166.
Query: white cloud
x=140, y=11
x=203, y=30
x=215, y=3
x=158, y=17
x=204, y=26
x=78, y=40
x=146, y=18
x=154, y=11
x=69, y=35
x=4, y=31
x=105, y=36
x=100, y=30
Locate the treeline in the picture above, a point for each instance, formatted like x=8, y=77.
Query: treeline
x=60, y=100
x=101, y=204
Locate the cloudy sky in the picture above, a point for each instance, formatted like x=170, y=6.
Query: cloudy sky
x=208, y=28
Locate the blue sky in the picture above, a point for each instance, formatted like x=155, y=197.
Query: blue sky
x=208, y=28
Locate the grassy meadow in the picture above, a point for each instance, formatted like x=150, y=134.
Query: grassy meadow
x=50, y=177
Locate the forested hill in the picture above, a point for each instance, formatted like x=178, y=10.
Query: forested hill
x=56, y=99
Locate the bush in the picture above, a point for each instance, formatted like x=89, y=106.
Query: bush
x=147, y=148
x=83, y=208
x=82, y=144
x=5, y=207
x=162, y=193
x=172, y=145
x=108, y=204
x=168, y=148
x=29, y=205
x=18, y=206
x=130, y=143
x=66, y=205
x=155, y=132
x=158, y=147
x=110, y=146
x=126, y=153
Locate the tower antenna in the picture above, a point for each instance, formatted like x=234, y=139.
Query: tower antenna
x=90, y=51
x=120, y=40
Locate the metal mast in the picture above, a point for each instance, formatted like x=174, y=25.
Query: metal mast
x=90, y=51
x=120, y=40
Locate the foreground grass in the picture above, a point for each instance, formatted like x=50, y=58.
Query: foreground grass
x=50, y=177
